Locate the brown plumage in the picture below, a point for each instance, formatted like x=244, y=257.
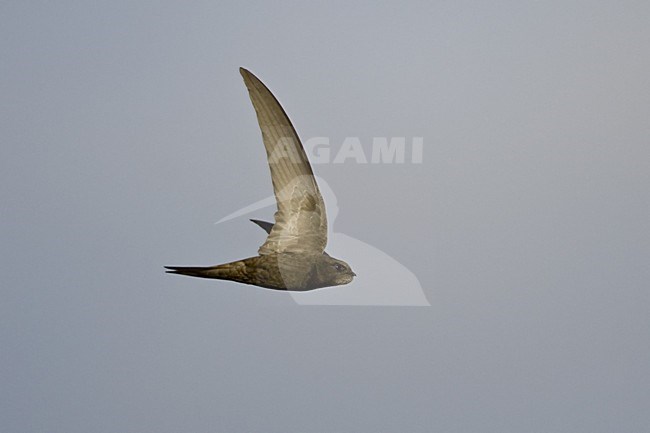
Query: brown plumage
x=293, y=256
x=286, y=271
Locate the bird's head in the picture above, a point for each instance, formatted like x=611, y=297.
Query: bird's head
x=332, y=272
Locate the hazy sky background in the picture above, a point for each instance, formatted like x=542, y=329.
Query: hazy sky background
x=127, y=132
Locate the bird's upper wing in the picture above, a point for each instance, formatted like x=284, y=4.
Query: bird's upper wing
x=300, y=221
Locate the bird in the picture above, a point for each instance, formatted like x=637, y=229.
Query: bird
x=293, y=256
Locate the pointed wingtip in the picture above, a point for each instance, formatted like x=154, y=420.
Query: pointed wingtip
x=266, y=226
x=249, y=78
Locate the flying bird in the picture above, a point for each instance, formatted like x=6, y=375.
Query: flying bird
x=293, y=256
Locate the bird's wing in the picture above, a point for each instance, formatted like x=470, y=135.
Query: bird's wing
x=300, y=221
x=265, y=225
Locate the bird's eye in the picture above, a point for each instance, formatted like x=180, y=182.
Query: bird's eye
x=339, y=267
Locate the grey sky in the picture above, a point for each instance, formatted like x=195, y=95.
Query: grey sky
x=127, y=131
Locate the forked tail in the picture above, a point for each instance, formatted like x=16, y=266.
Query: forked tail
x=202, y=272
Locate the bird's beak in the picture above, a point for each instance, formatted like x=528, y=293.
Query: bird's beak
x=353, y=274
